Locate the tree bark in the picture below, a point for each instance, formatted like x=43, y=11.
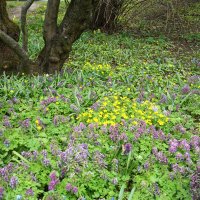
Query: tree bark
x=8, y=58
x=59, y=40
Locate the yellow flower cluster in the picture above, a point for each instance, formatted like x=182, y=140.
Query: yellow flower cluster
x=114, y=109
x=102, y=69
x=38, y=125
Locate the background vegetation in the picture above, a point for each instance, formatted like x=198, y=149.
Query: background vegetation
x=121, y=121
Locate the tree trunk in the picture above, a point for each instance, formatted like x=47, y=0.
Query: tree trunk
x=105, y=15
x=8, y=58
x=59, y=40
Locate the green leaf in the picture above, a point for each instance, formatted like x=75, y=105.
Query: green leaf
x=121, y=193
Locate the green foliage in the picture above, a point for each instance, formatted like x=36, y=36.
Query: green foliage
x=47, y=147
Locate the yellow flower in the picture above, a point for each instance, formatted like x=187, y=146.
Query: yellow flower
x=95, y=119
x=39, y=128
x=104, y=103
x=160, y=122
x=37, y=121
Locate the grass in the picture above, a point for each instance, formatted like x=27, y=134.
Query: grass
x=121, y=121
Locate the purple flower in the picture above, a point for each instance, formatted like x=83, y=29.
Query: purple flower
x=156, y=189
x=91, y=126
x=55, y=120
x=35, y=155
x=82, y=126
x=154, y=150
x=115, y=181
x=68, y=187
x=195, y=186
x=29, y=192
x=184, y=144
x=185, y=89
x=179, y=156
x=163, y=99
x=104, y=129
x=53, y=176
x=44, y=153
x=99, y=159
x=54, y=181
x=137, y=136
x=46, y=162
x=175, y=167
x=26, y=123
x=161, y=158
x=74, y=189
x=180, y=128
x=126, y=148
x=124, y=137
x=194, y=79
x=13, y=182
x=146, y=165
x=7, y=143
x=195, y=141
x=6, y=122
x=173, y=145
x=95, y=106
x=1, y=192
x=74, y=108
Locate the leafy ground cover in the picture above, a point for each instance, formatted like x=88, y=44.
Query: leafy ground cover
x=121, y=121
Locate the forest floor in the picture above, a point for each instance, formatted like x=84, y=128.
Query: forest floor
x=15, y=11
x=121, y=121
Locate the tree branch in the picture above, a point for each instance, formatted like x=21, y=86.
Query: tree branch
x=24, y=10
x=50, y=22
x=16, y=48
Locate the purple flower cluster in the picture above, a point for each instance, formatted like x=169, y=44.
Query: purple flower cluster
x=193, y=79
x=13, y=182
x=6, y=171
x=53, y=181
x=185, y=145
x=29, y=192
x=126, y=148
x=115, y=181
x=74, y=108
x=195, y=143
x=74, y=154
x=178, y=169
x=114, y=133
x=99, y=159
x=26, y=123
x=6, y=122
x=48, y=101
x=142, y=129
x=174, y=144
x=95, y=106
x=195, y=185
x=80, y=128
x=159, y=156
x=185, y=89
x=163, y=99
x=180, y=128
x=156, y=189
x=71, y=188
